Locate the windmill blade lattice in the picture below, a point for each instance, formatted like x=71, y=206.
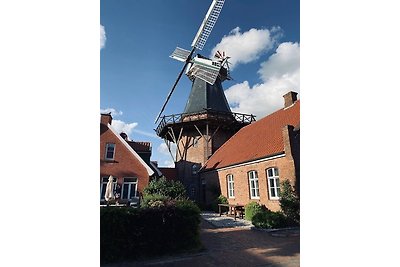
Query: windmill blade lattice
x=208, y=24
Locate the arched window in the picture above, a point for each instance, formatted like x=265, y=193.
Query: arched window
x=253, y=184
x=273, y=183
x=229, y=181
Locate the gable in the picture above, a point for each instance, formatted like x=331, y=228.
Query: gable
x=124, y=144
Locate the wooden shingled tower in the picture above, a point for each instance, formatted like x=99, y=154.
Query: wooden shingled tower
x=207, y=121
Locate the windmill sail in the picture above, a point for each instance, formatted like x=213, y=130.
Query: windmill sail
x=180, y=54
x=208, y=24
x=205, y=69
x=206, y=73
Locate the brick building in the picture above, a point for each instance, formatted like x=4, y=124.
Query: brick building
x=127, y=161
x=252, y=163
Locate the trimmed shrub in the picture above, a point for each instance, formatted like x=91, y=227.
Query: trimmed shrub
x=251, y=209
x=128, y=233
x=269, y=219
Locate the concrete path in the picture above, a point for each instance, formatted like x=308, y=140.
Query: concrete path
x=237, y=245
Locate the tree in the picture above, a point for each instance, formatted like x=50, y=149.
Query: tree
x=163, y=187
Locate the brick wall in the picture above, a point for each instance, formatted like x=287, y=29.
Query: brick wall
x=124, y=163
x=241, y=181
x=197, y=155
x=285, y=165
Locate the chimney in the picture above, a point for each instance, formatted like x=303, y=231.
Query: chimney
x=106, y=118
x=124, y=136
x=290, y=98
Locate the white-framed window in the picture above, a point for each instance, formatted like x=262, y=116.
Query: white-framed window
x=103, y=185
x=110, y=151
x=253, y=183
x=129, y=188
x=231, y=190
x=273, y=183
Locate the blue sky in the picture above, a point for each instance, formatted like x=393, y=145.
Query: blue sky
x=136, y=73
x=50, y=96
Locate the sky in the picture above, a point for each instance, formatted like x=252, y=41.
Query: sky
x=50, y=80
x=262, y=37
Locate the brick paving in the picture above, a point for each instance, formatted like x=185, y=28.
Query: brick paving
x=236, y=245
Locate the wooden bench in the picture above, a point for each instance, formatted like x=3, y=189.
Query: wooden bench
x=233, y=210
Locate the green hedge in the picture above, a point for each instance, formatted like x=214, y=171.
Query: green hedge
x=269, y=219
x=128, y=233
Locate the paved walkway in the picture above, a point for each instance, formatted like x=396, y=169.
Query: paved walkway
x=225, y=221
x=234, y=243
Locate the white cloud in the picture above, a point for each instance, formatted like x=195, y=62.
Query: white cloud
x=168, y=164
x=103, y=37
x=247, y=46
x=121, y=126
x=152, y=135
x=280, y=74
x=286, y=60
x=113, y=111
x=163, y=149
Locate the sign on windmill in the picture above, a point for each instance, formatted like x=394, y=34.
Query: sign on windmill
x=200, y=67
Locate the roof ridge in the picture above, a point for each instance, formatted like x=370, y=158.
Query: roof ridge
x=231, y=139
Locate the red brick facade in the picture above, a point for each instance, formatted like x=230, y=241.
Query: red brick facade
x=125, y=163
x=218, y=178
x=272, y=142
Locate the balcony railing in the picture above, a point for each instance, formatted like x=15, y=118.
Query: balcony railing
x=206, y=114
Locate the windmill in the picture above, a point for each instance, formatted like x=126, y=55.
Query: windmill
x=207, y=121
x=198, y=66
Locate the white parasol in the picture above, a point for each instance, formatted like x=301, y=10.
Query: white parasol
x=109, y=195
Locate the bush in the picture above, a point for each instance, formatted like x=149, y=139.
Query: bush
x=221, y=199
x=269, y=219
x=154, y=201
x=251, y=209
x=161, y=186
x=290, y=203
x=128, y=233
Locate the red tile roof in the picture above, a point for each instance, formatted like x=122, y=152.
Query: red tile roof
x=255, y=141
x=140, y=146
x=169, y=173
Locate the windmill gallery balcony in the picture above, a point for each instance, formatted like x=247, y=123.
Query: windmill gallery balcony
x=224, y=119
